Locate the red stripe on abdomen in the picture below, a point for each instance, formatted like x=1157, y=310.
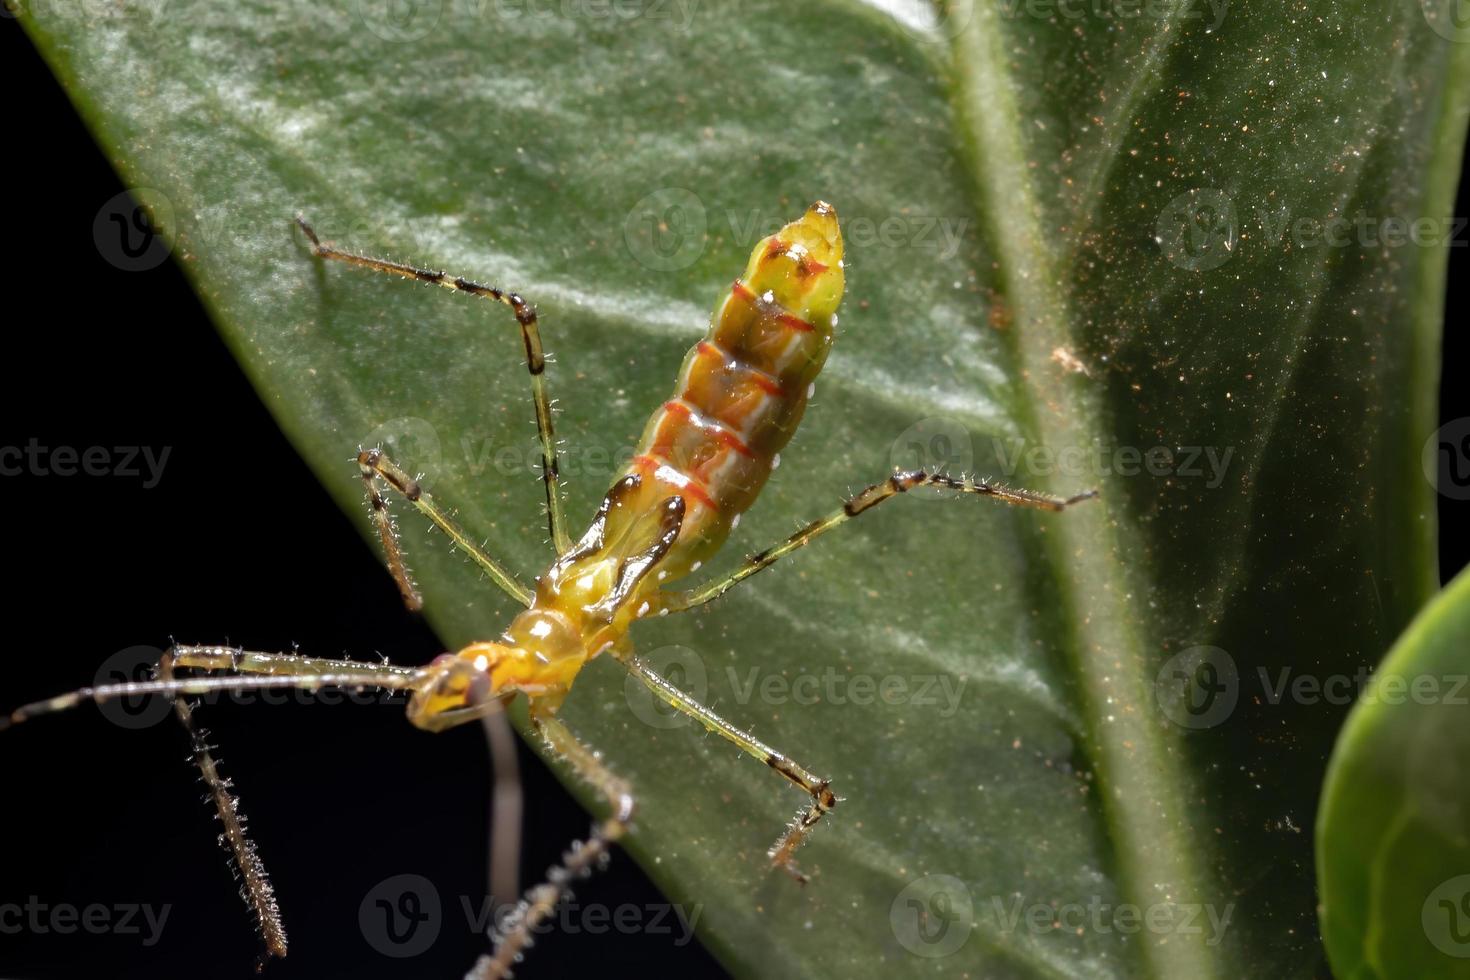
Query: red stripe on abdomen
x=720, y=431
x=682, y=483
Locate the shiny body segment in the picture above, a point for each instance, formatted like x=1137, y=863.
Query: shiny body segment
x=710, y=447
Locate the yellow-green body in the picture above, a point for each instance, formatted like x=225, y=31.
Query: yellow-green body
x=702, y=460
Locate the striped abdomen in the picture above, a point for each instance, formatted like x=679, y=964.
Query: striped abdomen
x=743, y=388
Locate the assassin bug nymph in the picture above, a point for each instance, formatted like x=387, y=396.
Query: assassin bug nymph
x=702, y=460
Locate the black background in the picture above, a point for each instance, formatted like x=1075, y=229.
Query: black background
x=340, y=797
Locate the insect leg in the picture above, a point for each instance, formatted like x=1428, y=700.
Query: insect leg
x=870, y=497
x=255, y=888
x=525, y=315
x=281, y=671
x=817, y=788
x=515, y=934
x=374, y=464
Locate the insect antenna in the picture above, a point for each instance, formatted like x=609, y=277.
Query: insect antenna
x=254, y=671
x=507, y=806
x=363, y=678
x=513, y=934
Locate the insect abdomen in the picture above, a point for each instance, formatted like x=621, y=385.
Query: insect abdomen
x=743, y=388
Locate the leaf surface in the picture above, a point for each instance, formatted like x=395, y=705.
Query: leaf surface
x=1073, y=262
x=1393, y=837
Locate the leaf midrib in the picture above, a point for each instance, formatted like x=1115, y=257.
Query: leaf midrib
x=1140, y=778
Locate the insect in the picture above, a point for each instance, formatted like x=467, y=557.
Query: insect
x=702, y=460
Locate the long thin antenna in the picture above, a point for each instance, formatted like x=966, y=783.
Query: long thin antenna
x=507, y=808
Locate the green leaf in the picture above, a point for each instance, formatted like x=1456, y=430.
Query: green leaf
x=1393, y=838
x=1076, y=234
